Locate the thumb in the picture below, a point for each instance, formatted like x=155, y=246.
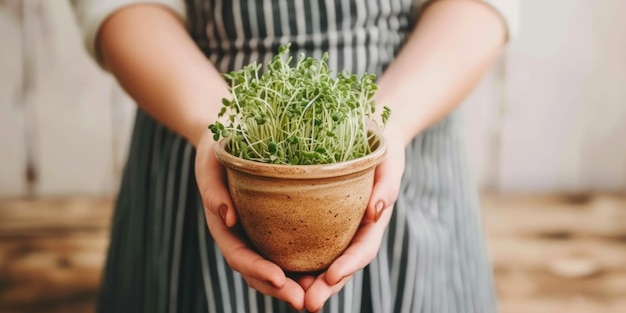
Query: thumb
x=384, y=193
x=387, y=178
x=212, y=184
x=216, y=197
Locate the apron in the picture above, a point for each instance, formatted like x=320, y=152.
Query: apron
x=162, y=257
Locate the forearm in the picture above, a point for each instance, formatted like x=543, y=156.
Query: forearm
x=147, y=48
x=454, y=44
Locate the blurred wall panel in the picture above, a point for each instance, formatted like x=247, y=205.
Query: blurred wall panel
x=73, y=104
x=547, y=68
x=12, y=102
x=604, y=144
x=483, y=118
x=123, y=109
x=564, y=127
x=61, y=117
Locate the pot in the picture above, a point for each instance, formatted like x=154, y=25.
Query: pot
x=301, y=217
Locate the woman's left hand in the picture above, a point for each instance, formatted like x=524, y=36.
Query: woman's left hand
x=368, y=238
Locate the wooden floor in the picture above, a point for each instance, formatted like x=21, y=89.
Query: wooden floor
x=550, y=253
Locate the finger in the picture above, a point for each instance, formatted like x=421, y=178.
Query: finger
x=380, y=193
x=320, y=291
x=361, y=251
x=241, y=258
x=306, y=281
x=291, y=292
x=215, y=195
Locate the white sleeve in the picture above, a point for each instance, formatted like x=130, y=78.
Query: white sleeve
x=508, y=10
x=92, y=13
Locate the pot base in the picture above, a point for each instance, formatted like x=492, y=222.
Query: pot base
x=301, y=225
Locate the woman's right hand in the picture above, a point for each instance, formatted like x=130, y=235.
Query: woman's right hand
x=260, y=274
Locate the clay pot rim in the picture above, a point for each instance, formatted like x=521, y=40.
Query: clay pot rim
x=301, y=171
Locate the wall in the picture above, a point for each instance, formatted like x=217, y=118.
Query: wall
x=550, y=116
x=564, y=126
x=64, y=124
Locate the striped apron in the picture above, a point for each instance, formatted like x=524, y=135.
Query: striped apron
x=162, y=257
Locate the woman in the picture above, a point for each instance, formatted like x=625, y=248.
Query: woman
x=420, y=247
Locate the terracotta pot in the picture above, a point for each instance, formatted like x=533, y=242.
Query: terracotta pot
x=301, y=217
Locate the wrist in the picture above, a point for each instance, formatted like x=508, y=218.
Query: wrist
x=196, y=121
x=394, y=129
x=393, y=132
x=196, y=131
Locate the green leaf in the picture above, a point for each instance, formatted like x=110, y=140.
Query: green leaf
x=260, y=119
x=386, y=114
x=271, y=147
x=283, y=49
x=337, y=116
x=320, y=150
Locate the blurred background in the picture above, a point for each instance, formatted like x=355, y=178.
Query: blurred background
x=546, y=132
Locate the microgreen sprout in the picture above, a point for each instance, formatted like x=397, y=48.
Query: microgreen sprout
x=298, y=115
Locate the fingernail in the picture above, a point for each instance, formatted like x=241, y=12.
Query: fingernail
x=223, y=209
x=379, y=209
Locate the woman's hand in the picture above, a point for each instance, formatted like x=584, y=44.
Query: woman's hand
x=368, y=238
x=259, y=273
